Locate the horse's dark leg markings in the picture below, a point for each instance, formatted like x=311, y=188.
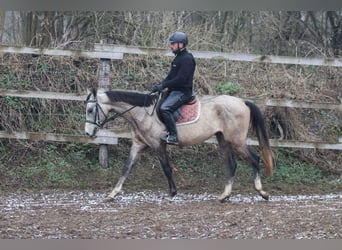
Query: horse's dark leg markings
x=135, y=152
x=257, y=178
x=165, y=163
x=231, y=168
x=254, y=161
x=231, y=165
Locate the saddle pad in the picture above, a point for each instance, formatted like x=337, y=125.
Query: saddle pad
x=189, y=113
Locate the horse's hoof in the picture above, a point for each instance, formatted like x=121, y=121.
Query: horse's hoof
x=223, y=198
x=173, y=194
x=108, y=199
x=167, y=198
x=266, y=197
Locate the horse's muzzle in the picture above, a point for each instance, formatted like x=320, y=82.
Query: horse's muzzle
x=88, y=134
x=91, y=134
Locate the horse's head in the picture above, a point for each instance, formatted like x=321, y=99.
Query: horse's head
x=94, y=114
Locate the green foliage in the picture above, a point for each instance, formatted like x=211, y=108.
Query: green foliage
x=336, y=130
x=197, y=169
x=51, y=171
x=290, y=170
x=15, y=102
x=41, y=67
x=228, y=88
x=7, y=78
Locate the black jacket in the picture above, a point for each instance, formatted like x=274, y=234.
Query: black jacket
x=180, y=77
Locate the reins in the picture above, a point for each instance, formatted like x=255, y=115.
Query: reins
x=155, y=105
x=113, y=117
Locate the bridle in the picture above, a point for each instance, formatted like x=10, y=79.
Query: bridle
x=99, y=109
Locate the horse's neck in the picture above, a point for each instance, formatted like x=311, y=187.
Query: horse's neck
x=139, y=114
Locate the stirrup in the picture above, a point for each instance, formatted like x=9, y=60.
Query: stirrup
x=168, y=141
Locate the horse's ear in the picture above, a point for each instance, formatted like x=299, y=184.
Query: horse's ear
x=92, y=91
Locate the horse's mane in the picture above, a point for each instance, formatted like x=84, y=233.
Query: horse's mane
x=133, y=98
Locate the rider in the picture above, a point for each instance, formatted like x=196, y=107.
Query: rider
x=179, y=83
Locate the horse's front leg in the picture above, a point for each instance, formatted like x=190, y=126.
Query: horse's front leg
x=135, y=152
x=165, y=163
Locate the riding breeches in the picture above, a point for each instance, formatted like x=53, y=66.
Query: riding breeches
x=173, y=101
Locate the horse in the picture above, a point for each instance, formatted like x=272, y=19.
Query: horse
x=226, y=117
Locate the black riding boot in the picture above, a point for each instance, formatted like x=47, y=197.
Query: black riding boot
x=171, y=137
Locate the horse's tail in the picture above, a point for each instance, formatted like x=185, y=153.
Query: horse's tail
x=258, y=124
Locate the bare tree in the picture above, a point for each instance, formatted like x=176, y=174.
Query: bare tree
x=302, y=33
x=12, y=29
x=335, y=20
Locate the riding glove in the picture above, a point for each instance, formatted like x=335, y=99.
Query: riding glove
x=158, y=87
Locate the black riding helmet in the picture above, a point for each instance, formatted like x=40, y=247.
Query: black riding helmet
x=179, y=37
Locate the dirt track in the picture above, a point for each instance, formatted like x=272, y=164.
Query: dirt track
x=59, y=214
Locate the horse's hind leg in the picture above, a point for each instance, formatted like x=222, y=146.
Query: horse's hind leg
x=135, y=152
x=254, y=160
x=231, y=167
x=165, y=163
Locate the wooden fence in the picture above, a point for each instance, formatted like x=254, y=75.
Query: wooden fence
x=107, y=52
x=106, y=136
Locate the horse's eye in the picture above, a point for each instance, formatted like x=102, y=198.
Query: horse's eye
x=90, y=111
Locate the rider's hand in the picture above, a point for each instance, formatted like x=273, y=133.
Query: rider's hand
x=157, y=88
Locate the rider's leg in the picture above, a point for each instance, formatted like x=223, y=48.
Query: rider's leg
x=174, y=101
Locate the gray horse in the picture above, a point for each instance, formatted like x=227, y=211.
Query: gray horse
x=226, y=117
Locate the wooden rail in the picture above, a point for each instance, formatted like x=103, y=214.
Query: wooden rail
x=82, y=97
x=60, y=52
x=104, y=137
x=42, y=95
x=336, y=62
x=112, y=51
x=110, y=137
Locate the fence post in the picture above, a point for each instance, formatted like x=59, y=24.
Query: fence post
x=104, y=70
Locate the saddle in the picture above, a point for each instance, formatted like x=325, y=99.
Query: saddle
x=186, y=114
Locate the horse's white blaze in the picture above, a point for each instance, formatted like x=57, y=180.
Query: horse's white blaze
x=89, y=128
